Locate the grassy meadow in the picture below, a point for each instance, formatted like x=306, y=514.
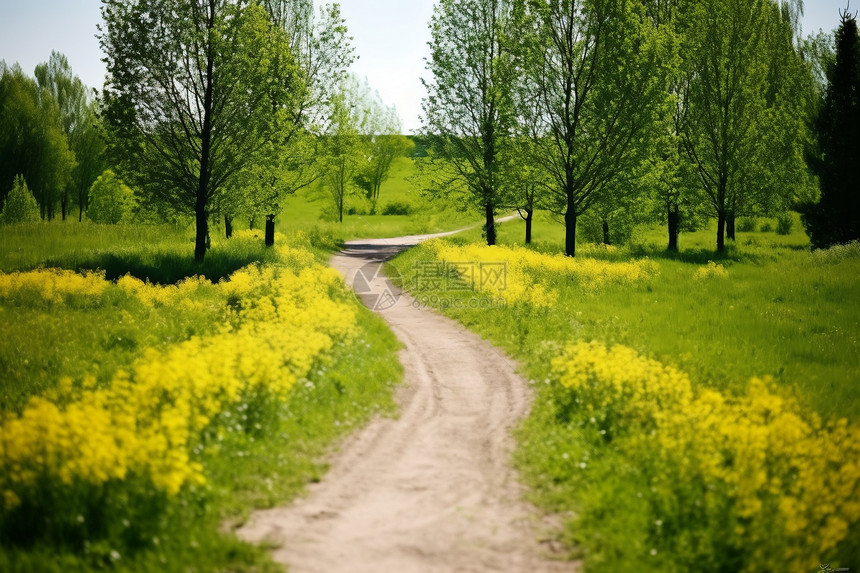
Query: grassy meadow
x=148, y=400
x=692, y=412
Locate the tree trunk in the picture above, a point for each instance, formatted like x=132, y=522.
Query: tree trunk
x=606, y=232
x=270, y=229
x=674, y=225
x=730, y=225
x=64, y=203
x=228, y=226
x=202, y=235
x=529, y=217
x=490, y=225
x=570, y=231
x=721, y=227
x=202, y=239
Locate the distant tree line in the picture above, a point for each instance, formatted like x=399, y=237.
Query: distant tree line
x=209, y=108
x=617, y=112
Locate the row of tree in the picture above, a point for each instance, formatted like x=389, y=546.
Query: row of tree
x=216, y=107
x=620, y=108
x=210, y=108
x=50, y=135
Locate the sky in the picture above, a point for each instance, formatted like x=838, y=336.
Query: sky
x=390, y=37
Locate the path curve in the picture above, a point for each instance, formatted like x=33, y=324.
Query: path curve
x=430, y=491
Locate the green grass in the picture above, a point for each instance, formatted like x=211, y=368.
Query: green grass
x=40, y=341
x=781, y=312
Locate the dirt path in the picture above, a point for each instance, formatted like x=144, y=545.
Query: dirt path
x=433, y=490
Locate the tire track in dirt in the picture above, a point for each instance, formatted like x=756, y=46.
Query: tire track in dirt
x=430, y=491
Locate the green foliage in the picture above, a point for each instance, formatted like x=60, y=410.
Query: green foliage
x=746, y=224
x=746, y=94
x=126, y=528
x=21, y=206
x=32, y=140
x=784, y=223
x=835, y=218
x=589, y=139
x=468, y=114
x=397, y=208
x=156, y=133
x=80, y=125
x=781, y=311
x=111, y=200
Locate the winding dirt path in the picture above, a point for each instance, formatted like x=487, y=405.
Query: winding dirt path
x=432, y=490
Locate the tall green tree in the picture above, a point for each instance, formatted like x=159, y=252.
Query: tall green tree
x=467, y=112
x=189, y=97
x=742, y=118
x=598, y=73
x=320, y=52
x=384, y=143
x=835, y=218
x=32, y=140
x=80, y=125
x=345, y=148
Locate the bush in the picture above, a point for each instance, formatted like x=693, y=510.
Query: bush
x=766, y=227
x=21, y=206
x=784, y=223
x=746, y=225
x=397, y=208
x=111, y=200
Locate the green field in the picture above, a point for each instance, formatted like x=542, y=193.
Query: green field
x=67, y=338
x=768, y=308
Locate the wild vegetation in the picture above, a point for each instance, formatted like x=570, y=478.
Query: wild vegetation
x=137, y=416
x=695, y=406
x=691, y=411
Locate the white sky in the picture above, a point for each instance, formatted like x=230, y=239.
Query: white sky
x=390, y=37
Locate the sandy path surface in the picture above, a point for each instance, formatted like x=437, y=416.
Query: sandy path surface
x=432, y=490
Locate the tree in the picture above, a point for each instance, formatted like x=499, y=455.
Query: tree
x=32, y=141
x=597, y=70
x=742, y=111
x=836, y=217
x=384, y=142
x=111, y=200
x=345, y=148
x=21, y=206
x=467, y=112
x=80, y=124
x=321, y=52
x=189, y=97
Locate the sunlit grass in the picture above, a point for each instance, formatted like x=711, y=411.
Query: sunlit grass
x=48, y=335
x=767, y=307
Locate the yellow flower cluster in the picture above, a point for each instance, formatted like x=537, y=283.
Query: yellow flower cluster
x=710, y=271
x=789, y=482
x=148, y=420
x=53, y=285
x=529, y=275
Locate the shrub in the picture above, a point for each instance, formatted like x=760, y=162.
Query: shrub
x=725, y=481
x=747, y=224
x=397, y=208
x=766, y=227
x=21, y=206
x=784, y=223
x=111, y=200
